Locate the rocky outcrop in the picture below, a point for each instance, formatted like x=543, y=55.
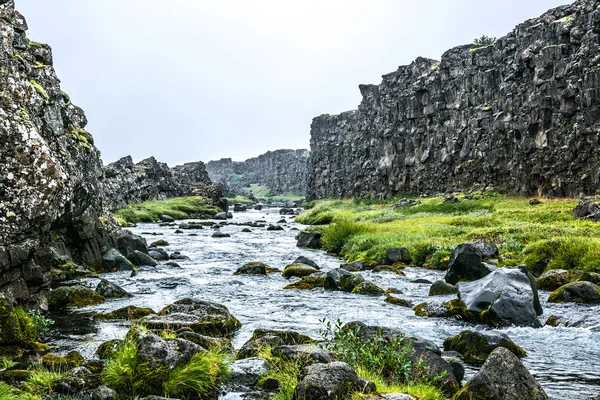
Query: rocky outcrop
x=520, y=115
x=50, y=170
x=126, y=183
x=282, y=171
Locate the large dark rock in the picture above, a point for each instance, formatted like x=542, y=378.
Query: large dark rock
x=74, y=296
x=555, y=278
x=311, y=240
x=476, y=346
x=252, y=268
x=476, y=118
x=587, y=210
x=307, y=261
x=576, y=292
x=128, y=243
x=298, y=270
x=396, y=255
x=340, y=279
x=466, y=264
x=502, y=377
x=333, y=381
x=112, y=260
x=504, y=297
x=142, y=259
x=108, y=289
x=303, y=353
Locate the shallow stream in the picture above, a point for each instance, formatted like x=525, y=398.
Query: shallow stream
x=566, y=361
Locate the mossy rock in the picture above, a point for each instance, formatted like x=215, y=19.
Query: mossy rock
x=16, y=326
x=58, y=363
x=74, y=296
x=576, y=292
x=309, y=282
x=207, y=342
x=298, y=271
x=69, y=271
x=554, y=279
x=252, y=268
x=441, y=288
x=129, y=313
x=107, y=350
x=452, y=308
x=475, y=347
x=262, y=338
x=368, y=288
x=398, y=301
x=15, y=375
x=389, y=268
x=553, y=321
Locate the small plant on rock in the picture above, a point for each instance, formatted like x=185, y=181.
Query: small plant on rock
x=483, y=41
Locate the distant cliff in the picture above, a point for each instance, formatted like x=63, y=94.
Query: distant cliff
x=282, y=171
x=125, y=182
x=521, y=115
x=50, y=190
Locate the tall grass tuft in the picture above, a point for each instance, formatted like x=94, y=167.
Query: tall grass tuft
x=200, y=376
x=120, y=372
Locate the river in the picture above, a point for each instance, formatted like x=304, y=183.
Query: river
x=566, y=361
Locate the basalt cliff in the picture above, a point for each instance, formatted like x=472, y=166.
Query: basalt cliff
x=521, y=115
x=125, y=182
x=50, y=172
x=282, y=171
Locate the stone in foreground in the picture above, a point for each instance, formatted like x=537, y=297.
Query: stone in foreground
x=333, y=381
x=475, y=347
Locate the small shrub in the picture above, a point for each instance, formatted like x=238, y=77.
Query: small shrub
x=562, y=253
x=200, y=376
x=483, y=41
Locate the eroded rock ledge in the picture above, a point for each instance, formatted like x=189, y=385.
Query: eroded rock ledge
x=521, y=115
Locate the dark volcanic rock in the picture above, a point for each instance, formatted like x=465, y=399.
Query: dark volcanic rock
x=311, y=240
x=307, y=261
x=466, y=264
x=475, y=347
x=331, y=381
x=252, y=268
x=340, y=279
x=108, y=289
x=518, y=114
x=587, y=210
x=576, y=292
x=396, y=255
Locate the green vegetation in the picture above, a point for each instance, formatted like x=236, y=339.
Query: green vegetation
x=421, y=391
x=42, y=381
x=199, y=376
x=283, y=370
x=40, y=89
x=544, y=236
x=483, y=41
x=178, y=208
x=20, y=327
x=234, y=198
x=263, y=193
x=6, y=363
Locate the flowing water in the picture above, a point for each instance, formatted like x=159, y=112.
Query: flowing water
x=566, y=361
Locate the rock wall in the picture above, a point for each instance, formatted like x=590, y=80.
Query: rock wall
x=126, y=183
x=50, y=171
x=282, y=171
x=522, y=115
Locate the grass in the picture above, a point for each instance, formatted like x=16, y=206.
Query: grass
x=544, y=236
x=420, y=391
x=120, y=371
x=6, y=363
x=200, y=376
x=42, y=382
x=178, y=208
x=233, y=198
x=284, y=371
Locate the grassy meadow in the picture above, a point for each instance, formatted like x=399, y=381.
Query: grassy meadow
x=178, y=208
x=543, y=236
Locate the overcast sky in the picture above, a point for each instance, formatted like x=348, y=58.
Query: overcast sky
x=188, y=80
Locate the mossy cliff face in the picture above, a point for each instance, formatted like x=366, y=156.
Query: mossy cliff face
x=521, y=115
x=127, y=183
x=49, y=170
x=282, y=171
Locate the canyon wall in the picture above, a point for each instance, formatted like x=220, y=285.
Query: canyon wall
x=50, y=172
x=282, y=171
x=521, y=115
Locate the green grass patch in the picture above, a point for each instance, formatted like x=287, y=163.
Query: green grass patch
x=42, y=382
x=285, y=371
x=544, y=236
x=200, y=376
x=178, y=208
x=233, y=198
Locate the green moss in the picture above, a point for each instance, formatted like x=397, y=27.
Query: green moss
x=398, y=301
x=34, y=44
x=74, y=296
x=17, y=327
x=40, y=89
x=308, y=282
x=475, y=348
x=368, y=288
x=129, y=313
x=66, y=98
x=58, y=363
x=178, y=208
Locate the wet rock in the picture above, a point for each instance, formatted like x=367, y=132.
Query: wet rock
x=396, y=255
x=246, y=372
x=298, y=270
x=200, y=316
x=398, y=301
x=252, y=268
x=286, y=211
x=303, y=353
x=576, y=292
x=368, y=288
x=307, y=261
x=159, y=243
x=282, y=221
x=504, y=297
x=177, y=232
x=108, y=349
x=129, y=313
x=178, y=256
x=466, y=264
x=556, y=278
x=115, y=261
x=311, y=240
x=69, y=271
x=440, y=288
x=272, y=338
x=340, y=279
x=206, y=342
x=127, y=243
x=166, y=218
x=172, y=264
x=77, y=380
x=140, y=259
x=111, y=290
x=422, y=281
x=74, y=296
x=502, y=377
x=219, y=234
x=58, y=363
x=587, y=210
x=246, y=230
x=239, y=208
x=274, y=228
x=355, y=266
x=453, y=308
x=309, y=282
x=389, y=268
x=258, y=207
x=158, y=254
x=223, y=216
x=476, y=346
x=331, y=381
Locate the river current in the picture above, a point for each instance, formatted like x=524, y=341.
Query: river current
x=565, y=360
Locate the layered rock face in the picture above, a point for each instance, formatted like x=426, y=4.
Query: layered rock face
x=126, y=183
x=282, y=171
x=49, y=170
x=522, y=115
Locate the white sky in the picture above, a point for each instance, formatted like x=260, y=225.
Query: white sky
x=188, y=80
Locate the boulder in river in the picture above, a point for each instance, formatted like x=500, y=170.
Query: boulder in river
x=506, y=296
x=307, y=261
x=309, y=282
x=311, y=240
x=275, y=228
x=252, y=268
x=158, y=254
x=287, y=211
x=466, y=264
x=127, y=243
x=74, y=296
x=159, y=243
x=440, y=288
x=166, y=218
x=200, y=316
x=576, y=292
x=140, y=259
x=111, y=290
x=331, y=381
x=113, y=260
x=340, y=279
x=356, y=266
x=502, y=377
x=368, y=288
x=129, y=313
x=272, y=338
x=219, y=234
x=298, y=270
x=397, y=301
x=476, y=346
x=555, y=278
